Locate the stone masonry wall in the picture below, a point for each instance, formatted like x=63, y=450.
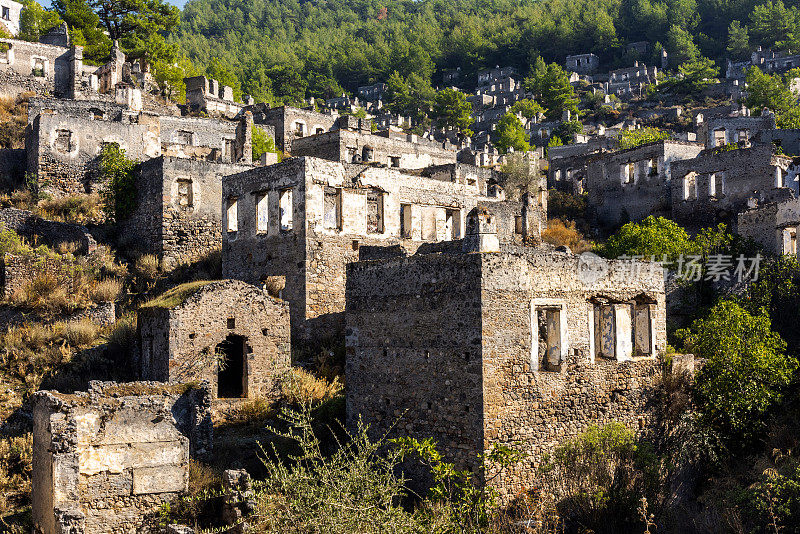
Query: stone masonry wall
x=50, y=233
x=106, y=460
x=18, y=271
x=180, y=344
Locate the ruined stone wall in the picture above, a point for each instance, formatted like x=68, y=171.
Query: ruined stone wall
x=718, y=130
x=713, y=187
x=36, y=67
x=50, y=233
x=635, y=183
x=180, y=344
x=403, y=313
x=313, y=254
x=106, y=460
x=91, y=109
x=535, y=410
x=284, y=120
x=414, y=351
x=18, y=271
x=343, y=145
x=204, y=132
x=771, y=224
x=65, y=156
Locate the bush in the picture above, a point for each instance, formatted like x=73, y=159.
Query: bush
x=106, y=290
x=634, y=138
x=77, y=209
x=561, y=233
x=262, y=143
x=16, y=458
x=119, y=174
x=301, y=388
x=746, y=369
x=565, y=206
x=80, y=333
x=653, y=237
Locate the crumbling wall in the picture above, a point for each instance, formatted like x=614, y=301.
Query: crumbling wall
x=773, y=225
x=182, y=343
x=17, y=271
x=50, y=233
x=285, y=119
x=37, y=67
x=106, y=460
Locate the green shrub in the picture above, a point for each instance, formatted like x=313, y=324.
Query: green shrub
x=262, y=143
x=119, y=174
x=654, y=236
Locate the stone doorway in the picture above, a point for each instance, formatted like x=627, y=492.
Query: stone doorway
x=231, y=370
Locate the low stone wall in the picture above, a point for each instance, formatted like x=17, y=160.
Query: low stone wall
x=104, y=314
x=50, y=233
x=17, y=271
x=106, y=460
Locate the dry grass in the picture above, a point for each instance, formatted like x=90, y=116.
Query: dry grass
x=175, y=296
x=564, y=234
x=299, y=387
x=77, y=209
x=13, y=120
x=16, y=455
x=147, y=266
x=106, y=290
x=80, y=333
x=275, y=285
x=44, y=293
x=203, y=478
x=122, y=334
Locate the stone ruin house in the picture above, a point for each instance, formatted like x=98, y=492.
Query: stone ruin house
x=583, y=63
x=289, y=123
x=719, y=183
x=9, y=15
x=204, y=94
x=774, y=225
x=568, y=164
x=718, y=130
x=304, y=219
x=65, y=138
x=106, y=460
x=229, y=333
x=629, y=185
x=511, y=346
x=353, y=142
x=630, y=82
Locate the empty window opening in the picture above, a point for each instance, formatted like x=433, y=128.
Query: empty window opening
x=743, y=135
x=719, y=137
x=366, y=154
x=299, y=129
x=790, y=241
x=518, y=226
x=374, y=212
x=394, y=161
x=97, y=114
x=332, y=218
x=185, y=138
x=405, y=221
x=614, y=336
x=231, y=371
x=690, y=187
x=6, y=13
x=355, y=245
x=63, y=141
x=232, y=215
x=185, y=196
x=642, y=329
x=285, y=205
x=231, y=323
x=262, y=212
x=652, y=167
x=628, y=172
x=229, y=153
x=39, y=68
x=548, y=322
x=320, y=130
x=780, y=177
x=452, y=224
x=557, y=175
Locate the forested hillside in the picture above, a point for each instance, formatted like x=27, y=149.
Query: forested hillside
x=290, y=48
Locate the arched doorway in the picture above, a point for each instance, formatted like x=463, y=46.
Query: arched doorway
x=231, y=368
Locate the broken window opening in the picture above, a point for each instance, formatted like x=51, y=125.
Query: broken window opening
x=332, y=217
x=6, y=13
x=628, y=173
x=184, y=137
x=642, y=329
x=366, y=154
x=375, y=212
x=185, y=196
x=394, y=161
x=653, y=167
x=452, y=224
x=719, y=137
x=299, y=129
x=39, y=67
x=63, y=142
x=231, y=369
x=518, y=224
x=286, y=210
x=690, y=187
x=97, y=114
x=262, y=212
x=232, y=215
x=405, y=221
x=548, y=322
x=320, y=130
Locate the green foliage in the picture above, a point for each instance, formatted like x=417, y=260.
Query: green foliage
x=681, y=46
x=561, y=205
x=551, y=88
x=518, y=177
x=567, y=130
x=654, y=236
x=765, y=91
x=599, y=477
x=634, y=138
x=410, y=96
x=527, y=107
x=773, y=25
x=777, y=291
x=452, y=111
x=789, y=119
x=119, y=174
x=697, y=75
x=774, y=499
x=554, y=141
x=738, y=41
x=746, y=369
x=35, y=21
x=511, y=134
x=262, y=143
x=85, y=29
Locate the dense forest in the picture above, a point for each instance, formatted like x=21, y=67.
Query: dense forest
x=290, y=48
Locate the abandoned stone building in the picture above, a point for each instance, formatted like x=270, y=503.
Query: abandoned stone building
x=717, y=184
x=718, y=130
x=774, y=225
x=630, y=82
x=65, y=138
x=305, y=218
x=353, y=142
x=177, y=215
x=9, y=17
x=204, y=94
x=289, y=123
x=517, y=347
x=229, y=333
x=629, y=185
x=107, y=459
x=568, y=164
x=583, y=63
